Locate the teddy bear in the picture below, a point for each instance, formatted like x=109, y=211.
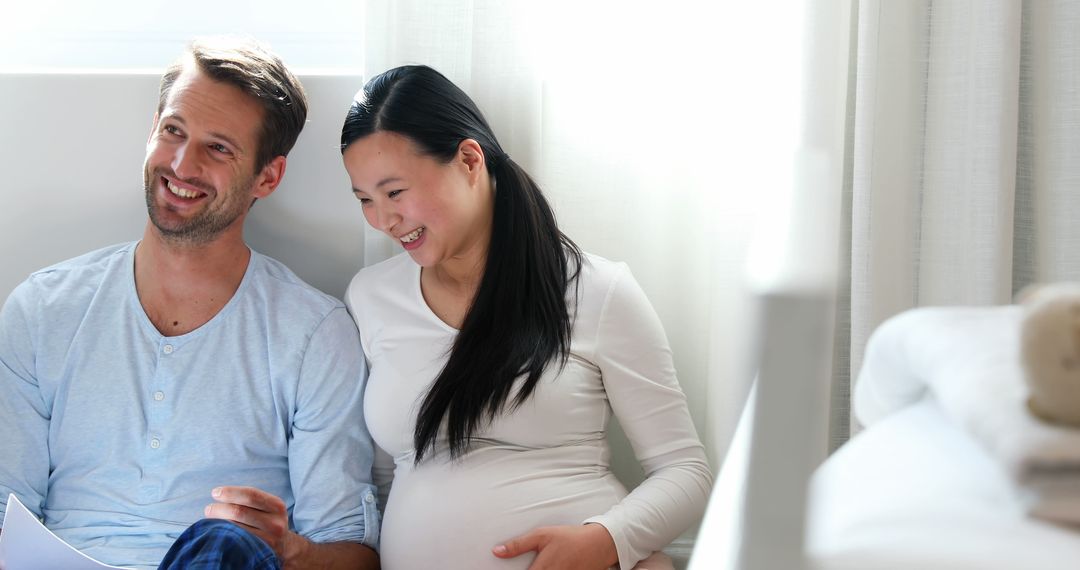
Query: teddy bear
x=1050, y=351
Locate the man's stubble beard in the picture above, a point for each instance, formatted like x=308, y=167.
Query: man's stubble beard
x=207, y=224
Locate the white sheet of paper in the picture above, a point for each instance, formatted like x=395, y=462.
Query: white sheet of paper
x=26, y=544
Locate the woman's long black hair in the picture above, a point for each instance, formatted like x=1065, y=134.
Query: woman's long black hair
x=519, y=321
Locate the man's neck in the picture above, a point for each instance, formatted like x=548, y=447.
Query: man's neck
x=182, y=286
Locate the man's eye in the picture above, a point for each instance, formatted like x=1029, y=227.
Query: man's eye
x=172, y=130
x=218, y=147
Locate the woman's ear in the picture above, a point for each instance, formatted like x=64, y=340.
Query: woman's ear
x=471, y=156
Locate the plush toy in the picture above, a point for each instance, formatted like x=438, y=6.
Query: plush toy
x=1050, y=351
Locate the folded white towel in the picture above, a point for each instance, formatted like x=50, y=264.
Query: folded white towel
x=968, y=359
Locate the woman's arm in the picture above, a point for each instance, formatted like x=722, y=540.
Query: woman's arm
x=627, y=343
x=638, y=372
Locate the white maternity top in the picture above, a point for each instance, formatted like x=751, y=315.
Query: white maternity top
x=546, y=462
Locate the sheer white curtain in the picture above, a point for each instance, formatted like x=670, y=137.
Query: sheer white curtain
x=69, y=36
x=966, y=140
x=656, y=130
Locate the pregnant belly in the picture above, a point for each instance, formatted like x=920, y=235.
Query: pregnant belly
x=450, y=514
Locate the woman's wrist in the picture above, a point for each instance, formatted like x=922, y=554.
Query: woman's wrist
x=604, y=540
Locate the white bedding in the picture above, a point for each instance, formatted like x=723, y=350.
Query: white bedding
x=913, y=491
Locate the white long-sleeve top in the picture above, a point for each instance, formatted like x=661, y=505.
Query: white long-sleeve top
x=546, y=462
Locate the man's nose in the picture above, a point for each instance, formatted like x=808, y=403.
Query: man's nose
x=186, y=163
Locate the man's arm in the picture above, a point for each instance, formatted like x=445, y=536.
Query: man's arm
x=331, y=555
x=330, y=464
x=265, y=516
x=331, y=452
x=24, y=416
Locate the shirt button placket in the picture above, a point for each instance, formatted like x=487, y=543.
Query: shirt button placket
x=158, y=396
x=157, y=414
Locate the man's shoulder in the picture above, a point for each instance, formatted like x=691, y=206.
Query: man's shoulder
x=92, y=261
x=82, y=273
x=283, y=285
x=68, y=287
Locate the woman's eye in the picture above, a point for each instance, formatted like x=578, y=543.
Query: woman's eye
x=365, y=201
x=394, y=193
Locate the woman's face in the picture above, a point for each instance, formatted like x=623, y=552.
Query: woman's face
x=437, y=212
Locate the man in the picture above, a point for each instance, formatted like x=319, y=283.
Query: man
x=149, y=385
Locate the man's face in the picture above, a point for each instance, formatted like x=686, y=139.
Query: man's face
x=199, y=173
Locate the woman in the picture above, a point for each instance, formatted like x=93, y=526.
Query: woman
x=498, y=351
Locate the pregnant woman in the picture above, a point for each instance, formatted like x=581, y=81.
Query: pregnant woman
x=498, y=353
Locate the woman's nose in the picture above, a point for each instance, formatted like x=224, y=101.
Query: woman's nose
x=387, y=217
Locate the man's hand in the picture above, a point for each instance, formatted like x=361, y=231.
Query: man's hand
x=584, y=547
x=265, y=516
x=259, y=512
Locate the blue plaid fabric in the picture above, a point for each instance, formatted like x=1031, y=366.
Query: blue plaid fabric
x=213, y=544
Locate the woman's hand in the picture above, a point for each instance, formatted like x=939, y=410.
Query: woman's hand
x=584, y=547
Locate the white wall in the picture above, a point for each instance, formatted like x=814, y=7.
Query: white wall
x=71, y=155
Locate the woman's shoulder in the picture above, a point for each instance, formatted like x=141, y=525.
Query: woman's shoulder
x=600, y=273
x=389, y=271
x=599, y=282
x=379, y=284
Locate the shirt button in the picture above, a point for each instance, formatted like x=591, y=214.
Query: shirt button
x=369, y=499
x=167, y=349
x=155, y=443
x=159, y=396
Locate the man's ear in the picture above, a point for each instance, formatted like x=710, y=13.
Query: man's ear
x=269, y=177
x=153, y=128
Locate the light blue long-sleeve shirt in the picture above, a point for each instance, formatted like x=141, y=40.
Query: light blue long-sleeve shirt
x=116, y=435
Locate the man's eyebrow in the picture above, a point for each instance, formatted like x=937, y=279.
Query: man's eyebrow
x=231, y=141
x=172, y=117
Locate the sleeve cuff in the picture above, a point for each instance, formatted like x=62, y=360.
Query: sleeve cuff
x=366, y=533
x=627, y=557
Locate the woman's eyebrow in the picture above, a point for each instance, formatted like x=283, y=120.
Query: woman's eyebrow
x=387, y=180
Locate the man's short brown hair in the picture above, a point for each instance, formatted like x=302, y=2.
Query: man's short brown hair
x=255, y=70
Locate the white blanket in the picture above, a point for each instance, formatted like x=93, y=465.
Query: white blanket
x=915, y=492
x=968, y=359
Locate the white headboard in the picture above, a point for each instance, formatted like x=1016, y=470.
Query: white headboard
x=757, y=512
